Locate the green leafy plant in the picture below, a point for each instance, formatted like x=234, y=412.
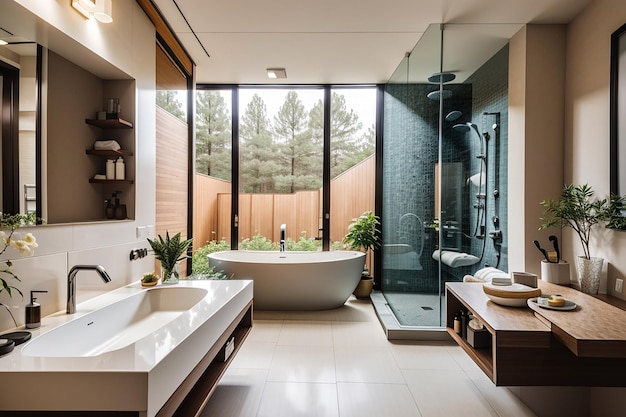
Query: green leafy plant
x=258, y=242
x=169, y=251
x=303, y=244
x=24, y=244
x=617, y=220
x=363, y=233
x=200, y=263
x=576, y=208
x=149, y=277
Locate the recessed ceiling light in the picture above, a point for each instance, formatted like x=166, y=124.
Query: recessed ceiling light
x=276, y=73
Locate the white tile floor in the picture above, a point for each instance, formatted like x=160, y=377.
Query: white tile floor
x=338, y=363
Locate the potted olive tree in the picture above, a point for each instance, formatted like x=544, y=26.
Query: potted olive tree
x=170, y=251
x=363, y=236
x=577, y=208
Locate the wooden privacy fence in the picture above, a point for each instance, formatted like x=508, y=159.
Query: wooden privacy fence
x=351, y=193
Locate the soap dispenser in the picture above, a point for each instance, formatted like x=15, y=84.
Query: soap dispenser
x=33, y=312
x=109, y=209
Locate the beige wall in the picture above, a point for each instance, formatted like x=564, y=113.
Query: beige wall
x=585, y=127
x=536, y=89
x=587, y=124
x=586, y=150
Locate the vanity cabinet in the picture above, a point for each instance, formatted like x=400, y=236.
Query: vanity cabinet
x=541, y=347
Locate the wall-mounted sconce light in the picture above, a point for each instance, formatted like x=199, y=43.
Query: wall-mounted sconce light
x=276, y=73
x=100, y=9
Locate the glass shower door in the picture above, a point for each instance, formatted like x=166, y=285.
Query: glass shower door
x=410, y=276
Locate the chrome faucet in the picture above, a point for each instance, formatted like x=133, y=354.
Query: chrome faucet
x=71, y=283
x=283, y=229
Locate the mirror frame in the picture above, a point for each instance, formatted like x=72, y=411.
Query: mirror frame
x=617, y=142
x=10, y=140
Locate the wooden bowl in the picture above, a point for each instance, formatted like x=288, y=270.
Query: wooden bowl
x=514, y=295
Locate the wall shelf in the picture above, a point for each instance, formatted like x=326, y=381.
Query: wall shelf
x=95, y=181
x=110, y=123
x=119, y=152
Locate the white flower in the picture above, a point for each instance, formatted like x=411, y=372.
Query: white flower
x=30, y=239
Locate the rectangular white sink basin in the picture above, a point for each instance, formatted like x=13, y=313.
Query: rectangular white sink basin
x=117, y=325
x=126, y=350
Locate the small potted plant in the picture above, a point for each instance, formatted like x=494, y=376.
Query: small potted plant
x=363, y=235
x=170, y=251
x=149, y=280
x=577, y=208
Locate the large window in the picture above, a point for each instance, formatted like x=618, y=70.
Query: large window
x=280, y=164
x=268, y=143
x=352, y=151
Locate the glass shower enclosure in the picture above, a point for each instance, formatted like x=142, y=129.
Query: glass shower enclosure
x=444, y=169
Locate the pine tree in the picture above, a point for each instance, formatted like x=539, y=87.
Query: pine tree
x=299, y=155
x=168, y=101
x=344, y=126
x=213, y=135
x=258, y=163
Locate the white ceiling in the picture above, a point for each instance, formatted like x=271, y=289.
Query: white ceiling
x=330, y=41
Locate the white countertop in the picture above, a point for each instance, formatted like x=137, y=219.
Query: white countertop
x=140, y=376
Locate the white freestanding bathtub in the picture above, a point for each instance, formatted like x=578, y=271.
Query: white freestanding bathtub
x=294, y=280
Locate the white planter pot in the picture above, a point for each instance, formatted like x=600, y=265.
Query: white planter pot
x=589, y=272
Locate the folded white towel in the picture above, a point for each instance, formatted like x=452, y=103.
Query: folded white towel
x=106, y=145
x=500, y=280
x=454, y=259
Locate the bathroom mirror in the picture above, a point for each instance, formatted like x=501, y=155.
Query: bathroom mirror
x=18, y=89
x=618, y=111
x=47, y=166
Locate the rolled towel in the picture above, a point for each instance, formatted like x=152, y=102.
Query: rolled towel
x=455, y=259
x=106, y=145
x=487, y=274
x=471, y=278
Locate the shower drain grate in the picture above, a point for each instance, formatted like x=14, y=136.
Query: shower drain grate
x=426, y=308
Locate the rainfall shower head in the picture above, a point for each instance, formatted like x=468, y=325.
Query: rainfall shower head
x=453, y=115
x=466, y=127
x=441, y=77
x=461, y=128
x=436, y=95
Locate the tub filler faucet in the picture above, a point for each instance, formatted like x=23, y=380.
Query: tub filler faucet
x=71, y=283
x=283, y=229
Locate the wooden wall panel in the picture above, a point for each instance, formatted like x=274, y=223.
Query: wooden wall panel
x=284, y=213
x=351, y=193
x=261, y=215
x=171, y=175
x=224, y=204
x=308, y=212
x=245, y=208
x=206, y=208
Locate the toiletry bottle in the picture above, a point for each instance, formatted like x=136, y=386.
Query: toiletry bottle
x=457, y=324
x=110, y=169
x=33, y=312
x=464, y=321
x=119, y=169
x=109, y=209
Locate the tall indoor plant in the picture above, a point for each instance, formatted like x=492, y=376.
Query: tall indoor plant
x=170, y=251
x=363, y=235
x=578, y=209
